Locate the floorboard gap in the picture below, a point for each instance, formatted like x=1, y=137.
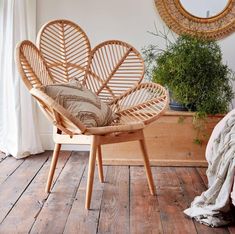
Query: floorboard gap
x=49, y=193
x=97, y=227
x=13, y=171
x=74, y=197
x=13, y=204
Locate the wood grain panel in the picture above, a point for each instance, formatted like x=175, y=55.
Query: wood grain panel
x=58, y=205
x=172, y=202
x=31, y=202
x=15, y=185
x=81, y=220
x=8, y=166
x=144, y=208
x=114, y=216
x=193, y=186
x=170, y=142
x=2, y=156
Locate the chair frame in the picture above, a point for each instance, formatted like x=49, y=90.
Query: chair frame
x=35, y=72
x=96, y=142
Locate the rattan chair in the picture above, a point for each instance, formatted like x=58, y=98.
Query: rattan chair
x=114, y=71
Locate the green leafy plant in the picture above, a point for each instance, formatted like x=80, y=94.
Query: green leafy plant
x=200, y=121
x=193, y=71
x=181, y=119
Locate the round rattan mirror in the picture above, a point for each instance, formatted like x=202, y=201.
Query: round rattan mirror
x=204, y=8
x=215, y=20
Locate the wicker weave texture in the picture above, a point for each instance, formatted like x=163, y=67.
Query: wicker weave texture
x=34, y=73
x=182, y=22
x=113, y=70
x=32, y=66
x=66, y=48
x=114, y=67
x=144, y=103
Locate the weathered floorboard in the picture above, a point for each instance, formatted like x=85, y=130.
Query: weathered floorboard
x=114, y=216
x=32, y=200
x=59, y=203
x=172, y=202
x=122, y=204
x=202, y=173
x=192, y=186
x=231, y=229
x=2, y=156
x=144, y=208
x=81, y=220
x=8, y=166
x=12, y=188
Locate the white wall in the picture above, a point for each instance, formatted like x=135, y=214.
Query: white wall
x=127, y=20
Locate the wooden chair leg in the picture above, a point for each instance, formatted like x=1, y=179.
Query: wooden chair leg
x=147, y=167
x=91, y=170
x=53, y=166
x=100, y=164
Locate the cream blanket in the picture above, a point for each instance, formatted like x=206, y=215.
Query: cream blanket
x=213, y=206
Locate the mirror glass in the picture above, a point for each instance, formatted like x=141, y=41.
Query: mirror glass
x=204, y=8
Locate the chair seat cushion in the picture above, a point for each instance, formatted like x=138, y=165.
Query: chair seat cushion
x=81, y=103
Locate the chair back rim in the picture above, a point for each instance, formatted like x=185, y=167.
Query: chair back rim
x=43, y=99
x=44, y=26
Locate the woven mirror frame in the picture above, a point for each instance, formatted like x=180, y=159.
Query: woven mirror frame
x=182, y=22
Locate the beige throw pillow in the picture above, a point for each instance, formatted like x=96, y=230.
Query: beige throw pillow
x=81, y=102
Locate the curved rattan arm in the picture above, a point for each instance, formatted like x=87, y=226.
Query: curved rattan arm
x=143, y=103
x=34, y=73
x=31, y=65
x=70, y=125
x=57, y=114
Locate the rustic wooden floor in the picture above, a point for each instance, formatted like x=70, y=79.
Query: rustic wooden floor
x=121, y=205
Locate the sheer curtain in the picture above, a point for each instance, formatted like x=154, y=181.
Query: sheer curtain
x=18, y=129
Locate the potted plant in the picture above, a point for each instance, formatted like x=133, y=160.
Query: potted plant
x=193, y=71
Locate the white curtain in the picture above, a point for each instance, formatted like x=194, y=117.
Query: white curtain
x=19, y=136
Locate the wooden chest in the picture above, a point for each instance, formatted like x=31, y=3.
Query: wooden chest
x=170, y=142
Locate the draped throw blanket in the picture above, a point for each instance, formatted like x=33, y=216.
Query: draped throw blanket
x=18, y=129
x=213, y=207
